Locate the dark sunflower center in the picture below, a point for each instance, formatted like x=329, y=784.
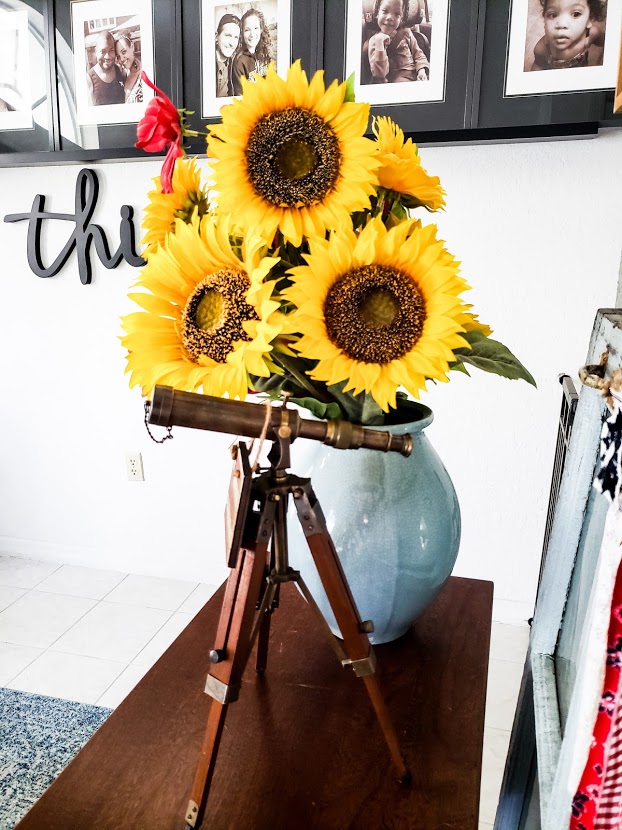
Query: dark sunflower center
x=375, y=314
x=293, y=158
x=212, y=319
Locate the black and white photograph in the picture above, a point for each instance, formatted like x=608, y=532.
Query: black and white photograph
x=15, y=103
x=112, y=45
x=397, y=49
x=562, y=46
x=240, y=40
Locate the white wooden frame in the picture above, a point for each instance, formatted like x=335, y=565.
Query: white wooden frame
x=569, y=526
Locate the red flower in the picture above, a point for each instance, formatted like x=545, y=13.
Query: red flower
x=161, y=125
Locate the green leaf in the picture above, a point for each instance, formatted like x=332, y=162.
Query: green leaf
x=326, y=411
x=349, y=88
x=398, y=210
x=360, y=409
x=491, y=356
x=459, y=367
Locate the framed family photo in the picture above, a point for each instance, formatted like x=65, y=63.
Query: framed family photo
x=15, y=87
x=562, y=46
x=397, y=49
x=112, y=44
x=239, y=40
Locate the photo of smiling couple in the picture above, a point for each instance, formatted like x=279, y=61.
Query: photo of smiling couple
x=246, y=35
x=113, y=61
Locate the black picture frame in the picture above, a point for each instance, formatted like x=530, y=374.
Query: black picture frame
x=421, y=120
x=306, y=44
x=35, y=140
x=563, y=114
x=108, y=141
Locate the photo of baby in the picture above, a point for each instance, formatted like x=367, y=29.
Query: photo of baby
x=565, y=34
x=549, y=37
x=393, y=52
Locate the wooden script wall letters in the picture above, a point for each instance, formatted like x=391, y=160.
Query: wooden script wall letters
x=83, y=234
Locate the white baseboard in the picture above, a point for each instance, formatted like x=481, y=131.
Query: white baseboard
x=511, y=612
x=91, y=557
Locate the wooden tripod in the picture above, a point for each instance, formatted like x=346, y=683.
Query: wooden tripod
x=258, y=558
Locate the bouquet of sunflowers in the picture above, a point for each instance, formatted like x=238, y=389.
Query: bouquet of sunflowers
x=300, y=269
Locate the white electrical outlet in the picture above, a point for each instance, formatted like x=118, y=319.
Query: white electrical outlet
x=134, y=466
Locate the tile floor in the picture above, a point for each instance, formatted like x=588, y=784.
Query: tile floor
x=90, y=635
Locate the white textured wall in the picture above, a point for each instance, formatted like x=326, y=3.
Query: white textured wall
x=538, y=230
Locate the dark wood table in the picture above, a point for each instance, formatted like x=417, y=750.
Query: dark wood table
x=301, y=748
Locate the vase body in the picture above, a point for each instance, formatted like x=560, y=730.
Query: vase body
x=395, y=523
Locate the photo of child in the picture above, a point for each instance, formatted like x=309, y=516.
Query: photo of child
x=391, y=54
x=574, y=35
x=391, y=49
x=549, y=37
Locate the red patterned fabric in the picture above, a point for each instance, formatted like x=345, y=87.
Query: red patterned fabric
x=597, y=804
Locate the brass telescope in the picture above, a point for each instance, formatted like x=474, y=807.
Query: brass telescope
x=169, y=408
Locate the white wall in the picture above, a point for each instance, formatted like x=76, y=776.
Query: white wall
x=538, y=230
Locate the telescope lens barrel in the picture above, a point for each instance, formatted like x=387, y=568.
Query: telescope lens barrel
x=170, y=407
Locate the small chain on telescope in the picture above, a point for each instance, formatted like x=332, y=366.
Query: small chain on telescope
x=169, y=430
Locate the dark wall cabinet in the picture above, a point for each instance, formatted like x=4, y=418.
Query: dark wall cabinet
x=454, y=70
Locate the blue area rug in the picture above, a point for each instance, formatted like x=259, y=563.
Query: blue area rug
x=38, y=738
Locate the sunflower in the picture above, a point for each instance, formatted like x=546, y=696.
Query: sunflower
x=164, y=208
x=208, y=318
x=380, y=310
x=401, y=170
x=291, y=155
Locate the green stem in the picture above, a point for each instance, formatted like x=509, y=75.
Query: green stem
x=301, y=378
x=194, y=133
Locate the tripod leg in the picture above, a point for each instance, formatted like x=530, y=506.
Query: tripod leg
x=264, y=631
x=230, y=655
x=330, y=637
x=355, y=639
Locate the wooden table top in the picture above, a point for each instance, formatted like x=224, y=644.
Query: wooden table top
x=301, y=747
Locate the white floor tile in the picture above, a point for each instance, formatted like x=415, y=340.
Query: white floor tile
x=509, y=642
x=14, y=659
x=197, y=599
x=169, y=632
x=81, y=582
x=68, y=676
x=151, y=592
x=38, y=619
x=504, y=680
x=112, y=632
x=8, y=595
x=496, y=742
x=122, y=686
x=24, y=573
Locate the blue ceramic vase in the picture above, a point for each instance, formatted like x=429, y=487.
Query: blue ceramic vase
x=395, y=523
